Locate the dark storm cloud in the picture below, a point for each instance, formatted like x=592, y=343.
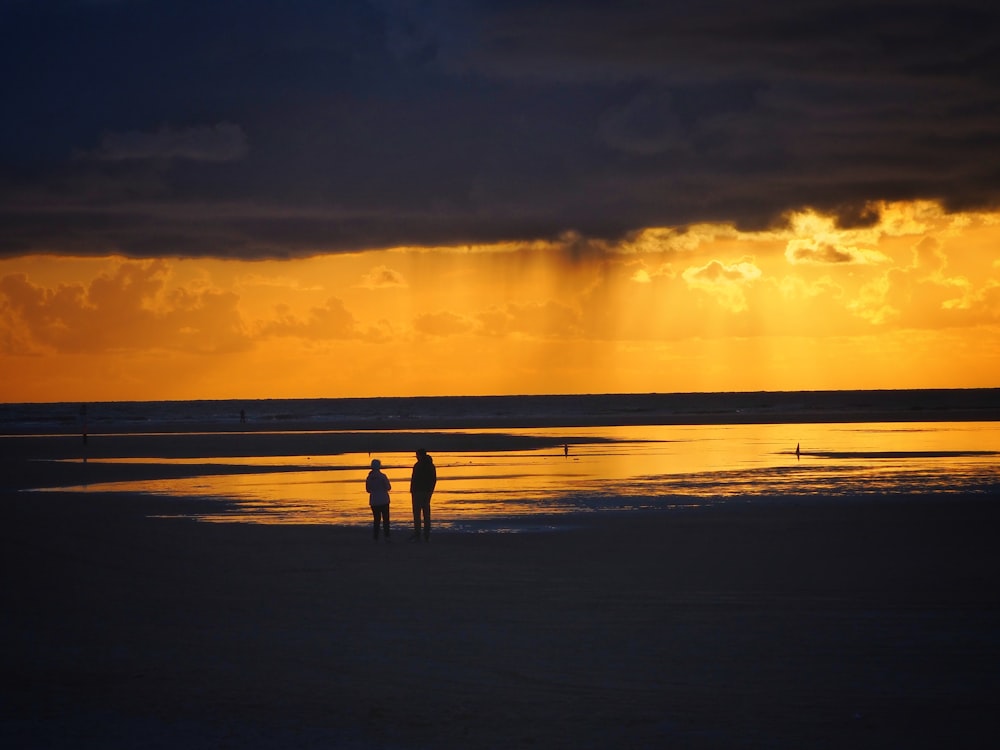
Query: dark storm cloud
x=223, y=142
x=251, y=128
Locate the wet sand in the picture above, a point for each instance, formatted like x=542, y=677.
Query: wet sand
x=870, y=623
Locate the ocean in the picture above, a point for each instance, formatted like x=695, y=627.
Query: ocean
x=522, y=463
x=460, y=411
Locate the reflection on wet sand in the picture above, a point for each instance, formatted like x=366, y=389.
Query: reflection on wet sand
x=585, y=469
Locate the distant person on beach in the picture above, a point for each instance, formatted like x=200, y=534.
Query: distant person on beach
x=243, y=416
x=422, y=483
x=378, y=488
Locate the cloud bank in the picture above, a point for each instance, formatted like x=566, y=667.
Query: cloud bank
x=269, y=130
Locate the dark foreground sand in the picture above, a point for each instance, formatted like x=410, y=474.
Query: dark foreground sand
x=866, y=624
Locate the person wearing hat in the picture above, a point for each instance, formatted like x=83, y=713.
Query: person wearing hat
x=378, y=487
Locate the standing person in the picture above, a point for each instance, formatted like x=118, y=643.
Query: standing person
x=83, y=428
x=422, y=483
x=378, y=488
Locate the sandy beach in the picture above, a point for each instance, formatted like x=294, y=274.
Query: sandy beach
x=871, y=623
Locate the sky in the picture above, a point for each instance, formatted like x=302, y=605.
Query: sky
x=303, y=198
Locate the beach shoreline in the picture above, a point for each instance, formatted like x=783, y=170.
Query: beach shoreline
x=866, y=622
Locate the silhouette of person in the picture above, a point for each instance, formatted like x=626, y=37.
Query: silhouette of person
x=243, y=416
x=422, y=483
x=83, y=429
x=378, y=486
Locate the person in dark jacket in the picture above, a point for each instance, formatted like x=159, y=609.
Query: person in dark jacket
x=378, y=486
x=422, y=483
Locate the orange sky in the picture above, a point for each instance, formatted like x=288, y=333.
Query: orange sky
x=912, y=302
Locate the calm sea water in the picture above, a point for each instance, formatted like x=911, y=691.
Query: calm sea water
x=444, y=411
x=605, y=469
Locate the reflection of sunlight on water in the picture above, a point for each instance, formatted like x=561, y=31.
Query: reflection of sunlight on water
x=640, y=467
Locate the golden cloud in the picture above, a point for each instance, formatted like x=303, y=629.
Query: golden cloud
x=382, y=277
x=442, y=324
x=724, y=281
x=820, y=252
x=130, y=308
